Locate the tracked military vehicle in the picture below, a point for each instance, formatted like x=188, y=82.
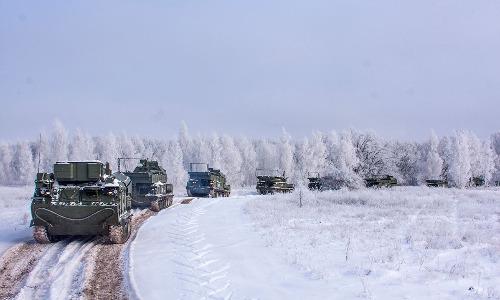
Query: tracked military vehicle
x=271, y=181
x=476, y=181
x=206, y=182
x=149, y=186
x=81, y=199
x=381, y=181
x=314, y=181
x=436, y=183
x=324, y=183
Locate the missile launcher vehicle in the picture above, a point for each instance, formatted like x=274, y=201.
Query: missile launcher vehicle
x=381, y=181
x=324, y=183
x=81, y=198
x=271, y=181
x=436, y=183
x=206, y=182
x=476, y=181
x=149, y=186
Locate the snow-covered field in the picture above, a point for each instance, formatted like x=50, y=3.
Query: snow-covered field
x=401, y=243
x=14, y=215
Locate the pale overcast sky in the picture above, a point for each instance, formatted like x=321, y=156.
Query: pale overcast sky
x=250, y=67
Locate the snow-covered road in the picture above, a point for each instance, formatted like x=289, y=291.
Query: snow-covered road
x=208, y=249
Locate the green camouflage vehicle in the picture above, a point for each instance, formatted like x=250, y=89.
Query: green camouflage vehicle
x=477, y=181
x=436, y=183
x=324, y=183
x=381, y=181
x=149, y=186
x=271, y=181
x=206, y=182
x=81, y=199
x=314, y=181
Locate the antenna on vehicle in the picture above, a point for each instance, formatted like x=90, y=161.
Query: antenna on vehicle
x=124, y=158
x=39, y=150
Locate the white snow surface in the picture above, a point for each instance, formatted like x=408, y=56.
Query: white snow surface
x=403, y=243
x=15, y=215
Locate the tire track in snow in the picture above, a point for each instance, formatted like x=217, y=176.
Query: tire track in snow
x=15, y=266
x=203, y=274
x=60, y=272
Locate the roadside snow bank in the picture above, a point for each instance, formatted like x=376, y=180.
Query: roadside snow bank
x=14, y=215
x=406, y=242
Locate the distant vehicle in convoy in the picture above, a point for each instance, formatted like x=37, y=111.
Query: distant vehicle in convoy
x=81, y=198
x=272, y=181
x=477, y=181
x=149, y=186
x=381, y=181
x=324, y=183
x=206, y=182
x=436, y=183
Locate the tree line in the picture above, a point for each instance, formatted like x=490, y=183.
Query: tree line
x=350, y=155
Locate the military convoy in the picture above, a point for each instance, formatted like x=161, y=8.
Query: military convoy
x=381, y=181
x=206, y=182
x=149, y=186
x=271, y=181
x=84, y=198
x=81, y=198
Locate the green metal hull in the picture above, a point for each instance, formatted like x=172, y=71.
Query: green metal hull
x=69, y=220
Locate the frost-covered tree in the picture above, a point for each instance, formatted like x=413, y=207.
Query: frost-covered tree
x=248, y=160
x=475, y=154
x=487, y=161
x=177, y=174
x=59, y=143
x=317, y=154
x=285, y=152
x=201, y=151
x=371, y=154
x=333, y=157
x=266, y=155
x=215, y=151
x=348, y=161
x=433, y=161
x=140, y=149
x=6, y=174
x=459, y=165
x=127, y=149
x=405, y=160
x=81, y=147
x=186, y=145
x=301, y=159
x=106, y=150
x=495, y=144
x=22, y=164
x=231, y=161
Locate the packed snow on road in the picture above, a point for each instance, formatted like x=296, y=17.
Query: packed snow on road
x=400, y=243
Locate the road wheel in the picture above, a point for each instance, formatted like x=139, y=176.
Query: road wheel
x=42, y=236
x=155, y=206
x=119, y=234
